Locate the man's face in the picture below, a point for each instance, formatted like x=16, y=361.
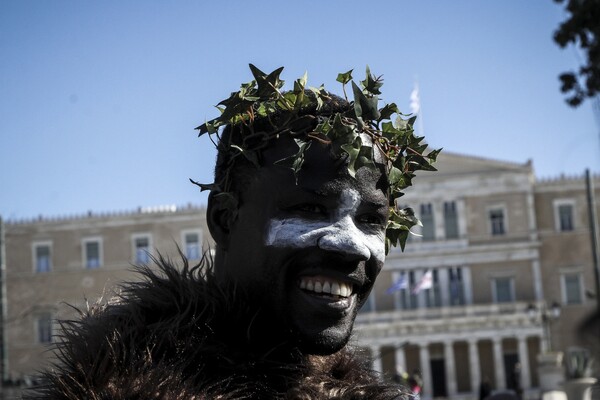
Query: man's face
x=310, y=251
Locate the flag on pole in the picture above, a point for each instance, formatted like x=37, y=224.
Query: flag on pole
x=401, y=283
x=426, y=282
x=415, y=101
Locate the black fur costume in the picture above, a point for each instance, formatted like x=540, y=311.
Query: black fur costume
x=176, y=334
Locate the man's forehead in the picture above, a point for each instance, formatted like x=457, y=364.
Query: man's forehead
x=332, y=184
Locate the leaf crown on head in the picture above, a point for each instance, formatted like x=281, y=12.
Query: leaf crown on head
x=300, y=113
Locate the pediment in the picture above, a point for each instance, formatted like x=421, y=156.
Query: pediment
x=449, y=163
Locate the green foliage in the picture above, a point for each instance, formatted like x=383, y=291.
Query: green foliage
x=262, y=98
x=578, y=363
x=581, y=28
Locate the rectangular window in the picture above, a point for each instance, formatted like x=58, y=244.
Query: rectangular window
x=450, y=220
x=565, y=217
x=409, y=299
x=92, y=254
x=43, y=258
x=433, y=297
x=572, y=288
x=497, y=224
x=503, y=290
x=192, y=246
x=426, y=216
x=456, y=286
x=141, y=246
x=44, y=328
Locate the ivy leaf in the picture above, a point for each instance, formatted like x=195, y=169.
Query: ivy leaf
x=321, y=95
x=372, y=84
x=268, y=85
x=345, y=77
x=300, y=83
x=205, y=186
x=365, y=158
x=395, y=176
x=387, y=111
x=353, y=151
x=433, y=155
x=207, y=127
x=324, y=127
x=398, y=228
x=365, y=107
x=341, y=134
x=390, y=132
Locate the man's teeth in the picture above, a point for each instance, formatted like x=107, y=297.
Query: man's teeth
x=336, y=288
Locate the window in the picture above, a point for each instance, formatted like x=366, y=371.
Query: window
x=92, y=253
x=456, y=286
x=428, y=230
x=450, y=220
x=572, y=290
x=497, y=224
x=141, y=248
x=44, y=328
x=564, y=215
x=408, y=300
x=503, y=290
x=192, y=245
x=433, y=297
x=42, y=257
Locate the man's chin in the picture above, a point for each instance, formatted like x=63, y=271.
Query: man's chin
x=326, y=342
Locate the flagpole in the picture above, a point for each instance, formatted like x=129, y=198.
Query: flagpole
x=415, y=107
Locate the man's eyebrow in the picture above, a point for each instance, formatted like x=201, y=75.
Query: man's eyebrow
x=376, y=203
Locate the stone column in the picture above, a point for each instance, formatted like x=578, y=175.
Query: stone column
x=466, y=274
x=524, y=360
x=450, y=368
x=462, y=218
x=474, y=367
x=376, y=358
x=425, y=370
x=537, y=280
x=499, y=364
x=444, y=286
x=400, y=360
x=422, y=304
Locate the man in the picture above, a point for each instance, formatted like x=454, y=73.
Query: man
x=300, y=213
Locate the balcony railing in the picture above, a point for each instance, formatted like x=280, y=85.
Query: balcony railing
x=442, y=321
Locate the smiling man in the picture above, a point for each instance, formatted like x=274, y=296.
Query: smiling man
x=303, y=211
x=308, y=248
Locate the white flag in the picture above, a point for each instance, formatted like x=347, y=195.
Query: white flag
x=415, y=102
x=426, y=282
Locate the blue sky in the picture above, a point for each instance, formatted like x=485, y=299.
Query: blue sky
x=98, y=100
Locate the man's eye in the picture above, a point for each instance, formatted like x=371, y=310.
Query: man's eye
x=310, y=208
x=371, y=219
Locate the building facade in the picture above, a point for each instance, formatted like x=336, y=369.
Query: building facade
x=54, y=263
x=467, y=301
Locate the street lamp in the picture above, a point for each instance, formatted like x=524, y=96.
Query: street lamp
x=547, y=315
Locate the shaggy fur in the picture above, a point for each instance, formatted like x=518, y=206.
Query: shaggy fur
x=178, y=335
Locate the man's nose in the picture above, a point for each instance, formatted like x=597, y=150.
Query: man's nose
x=346, y=239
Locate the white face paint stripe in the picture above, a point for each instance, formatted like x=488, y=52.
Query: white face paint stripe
x=339, y=234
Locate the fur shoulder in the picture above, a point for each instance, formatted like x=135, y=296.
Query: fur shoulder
x=175, y=334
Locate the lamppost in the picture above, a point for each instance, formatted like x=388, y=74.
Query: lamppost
x=547, y=316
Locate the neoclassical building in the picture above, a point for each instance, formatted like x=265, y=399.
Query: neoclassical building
x=53, y=262
x=468, y=300
x=497, y=251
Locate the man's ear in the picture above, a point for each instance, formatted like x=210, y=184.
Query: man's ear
x=221, y=213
